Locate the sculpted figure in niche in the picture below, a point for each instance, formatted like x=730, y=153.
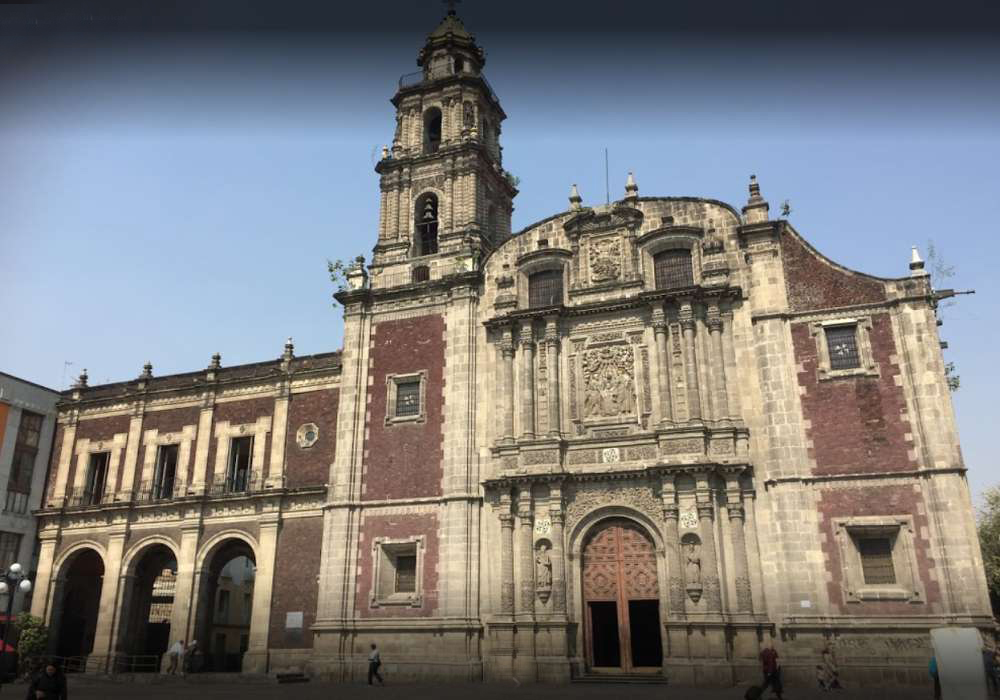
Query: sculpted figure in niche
x=543, y=566
x=468, y=115
x=692, y=559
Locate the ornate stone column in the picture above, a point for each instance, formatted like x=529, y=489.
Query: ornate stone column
x=507, y=359
x=527, y=382
x=662, y=363
x=711, y=590
x=527, y=551
x=671, y=542
x=558, y=552
x=552, y=370
x=737, y=517
x=718, y=363
x=506, y=556
x=691, y=362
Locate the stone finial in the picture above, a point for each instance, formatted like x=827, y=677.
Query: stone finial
x=631, y=189
x=574, y=198
x=216, y=362
x=81, y=381
x=289, y=349
x=917, y=264
x=385, y=152
x=755, y=211
x=147, y=371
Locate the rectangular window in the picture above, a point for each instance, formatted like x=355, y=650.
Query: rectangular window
x=408, y=398
x=406, y=573
x=97, y=476
x=876, y=560
x=842, y=345
x=166, y=470
x=545, y=288
x=240, y=463
x=672, y=269
x=10, y=543
x=22, y=469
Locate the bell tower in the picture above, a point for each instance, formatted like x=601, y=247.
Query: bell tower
x=446, y=200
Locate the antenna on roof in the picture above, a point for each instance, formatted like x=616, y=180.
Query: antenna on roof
x=607, y=189
x=66, y=365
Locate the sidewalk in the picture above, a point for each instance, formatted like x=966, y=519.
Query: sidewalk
x=97, y=689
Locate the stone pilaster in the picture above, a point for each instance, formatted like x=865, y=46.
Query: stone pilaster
x=718, y=366
x=552, y=372
x=276, y=465
x=507, y=358
x=662, y=364
x=558, y=552
x=506, y=557
x=711, y=589
x=180, y=616
x=65, y=457
x=42, y=602
x=255, y=659
x=110, y=589
x=132, y=451
x=200, y=474
x=688, y=324
x=527, y=382
x=737, y=518
x=526, y=551
x=671, y=542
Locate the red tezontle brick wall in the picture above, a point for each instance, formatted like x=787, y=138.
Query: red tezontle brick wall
x=398, y=526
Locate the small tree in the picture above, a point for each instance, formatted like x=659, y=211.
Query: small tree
x=988, y=526
x=32, y=642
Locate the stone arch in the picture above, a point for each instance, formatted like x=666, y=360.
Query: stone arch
x=223, y=649
x=427, y=211
x=143, y=634
x=432, y=129
x=78, y=584
x=135, y=552
x=620, y=594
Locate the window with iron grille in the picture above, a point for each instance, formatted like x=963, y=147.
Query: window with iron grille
x=10, y=543
x=876, y=560
x=421, y=273
x=672, y=269
x=545, y=288
x=406, y=573
x=842, y=346
x=408, y=398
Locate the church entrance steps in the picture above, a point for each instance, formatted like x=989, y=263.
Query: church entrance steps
x=621, y=679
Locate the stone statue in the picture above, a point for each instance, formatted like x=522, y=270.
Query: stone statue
x=543, y=567
x=693, y=568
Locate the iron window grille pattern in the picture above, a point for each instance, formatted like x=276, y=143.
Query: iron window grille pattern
x=545, y=288
x=673, y=269
x=876, y=560
x=842, y=345
x=406, y=397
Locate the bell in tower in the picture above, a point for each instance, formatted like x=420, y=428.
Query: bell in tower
x=445, y=197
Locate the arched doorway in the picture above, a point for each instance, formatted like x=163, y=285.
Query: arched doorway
x=78, y=603
x=225, y=606
x=150, y=600
x=621, y=599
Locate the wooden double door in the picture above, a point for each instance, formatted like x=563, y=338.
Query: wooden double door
x=621, y=598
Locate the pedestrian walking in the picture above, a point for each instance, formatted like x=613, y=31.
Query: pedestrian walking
x=189, y=652
x=932, y=669
x=175, y=656
x=50, y=684
x=772, y=670
x=374, y=662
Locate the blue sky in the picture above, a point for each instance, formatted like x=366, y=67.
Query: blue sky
x=164, y=198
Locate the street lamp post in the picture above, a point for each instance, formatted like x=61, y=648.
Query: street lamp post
x=11, y=581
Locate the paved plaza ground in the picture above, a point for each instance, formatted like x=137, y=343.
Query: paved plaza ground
x=175, y=689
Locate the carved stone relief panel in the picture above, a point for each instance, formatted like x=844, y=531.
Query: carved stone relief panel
x=609, y=382
x=605, y=260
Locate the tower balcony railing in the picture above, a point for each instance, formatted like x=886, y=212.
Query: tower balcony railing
x=410, y=79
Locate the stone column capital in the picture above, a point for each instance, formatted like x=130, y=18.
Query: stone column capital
x=736, y=511
x=659, y=318
x=526, y=335
x=706, y=511
x=507, y=520
x=671, y=511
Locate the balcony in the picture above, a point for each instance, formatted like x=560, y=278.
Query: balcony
x=416, y=78
x=239, y=484
x=80, y=497
x=151, y=491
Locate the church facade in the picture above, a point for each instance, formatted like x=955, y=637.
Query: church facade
x=646, y=438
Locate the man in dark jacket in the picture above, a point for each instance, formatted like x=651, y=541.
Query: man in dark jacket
x=50, y=684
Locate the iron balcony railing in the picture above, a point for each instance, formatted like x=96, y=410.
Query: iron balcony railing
x=83, y=496
x=151, y=491
x=241, y=483
x=410, y=79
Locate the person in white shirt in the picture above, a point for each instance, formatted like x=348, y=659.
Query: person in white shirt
x=176, y=653
x=374, y=661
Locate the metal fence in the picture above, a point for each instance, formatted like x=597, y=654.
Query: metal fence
x=151, y=491
x=238, y=484
x=82, y=496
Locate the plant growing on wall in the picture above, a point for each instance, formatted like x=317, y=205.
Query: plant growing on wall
x=338, y=273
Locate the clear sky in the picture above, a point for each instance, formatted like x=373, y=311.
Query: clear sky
x=167, y=195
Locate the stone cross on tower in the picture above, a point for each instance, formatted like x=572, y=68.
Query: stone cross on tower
x=450, y=4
